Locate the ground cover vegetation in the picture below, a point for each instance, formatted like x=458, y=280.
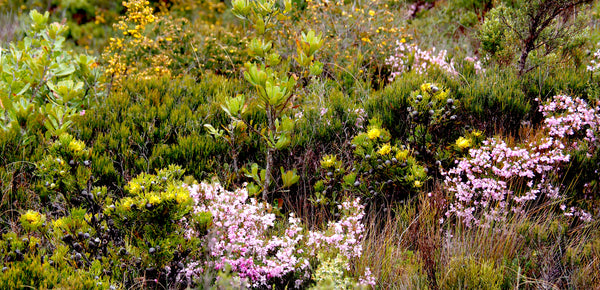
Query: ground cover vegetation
x=174, y=144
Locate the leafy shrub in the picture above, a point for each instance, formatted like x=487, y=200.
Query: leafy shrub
x=41, y=82
x=378, y=170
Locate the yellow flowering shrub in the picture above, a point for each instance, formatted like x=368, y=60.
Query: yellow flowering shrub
x=130, y=36
x=360, y=36
x=32, y=220
x=147, y=45
x=328, y=161
x=374, y=133
x=385, y=150
x=157, y=197
x=463, y=143
x=76, y=146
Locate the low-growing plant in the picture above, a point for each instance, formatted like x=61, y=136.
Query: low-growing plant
x=137, y=133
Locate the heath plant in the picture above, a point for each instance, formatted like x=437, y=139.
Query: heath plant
x=594, y=62
x=409, y=57
x=240, y=239
x=575, y=122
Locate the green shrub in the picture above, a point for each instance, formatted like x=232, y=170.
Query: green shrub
x=152, y=123
x=64, y=172
x=549, y=81
x=378, y=170
x=495, y=102
x=152, y=217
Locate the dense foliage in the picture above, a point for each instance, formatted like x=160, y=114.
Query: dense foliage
x=175, y=144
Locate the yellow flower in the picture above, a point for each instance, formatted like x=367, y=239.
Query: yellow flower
x=402, y=155
x=328, y=161
x=59, y=223
x=76, y=145
x=169, y=195
x=476, y=133
x=403, y=40
x=374, y=133
x=182, y=197
x=32, y=216
x=425, y=87
x=418, y=183
x=372, y=13
x=154, y=199
x=134, y=187
x=385, y=149
x=31, y=220
x=463, y=143
x=127, y=203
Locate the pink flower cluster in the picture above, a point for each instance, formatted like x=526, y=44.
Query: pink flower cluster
x=421, y=60
x=239, y=236
x=496, y=179
x=344, y=236
x=488, y=185
x=476, y=64
x=572, y=119
x=361, y=117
